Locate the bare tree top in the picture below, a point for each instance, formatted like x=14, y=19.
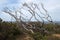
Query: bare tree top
x=27, y=12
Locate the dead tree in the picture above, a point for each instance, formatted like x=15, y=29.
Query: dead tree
x=31, y=8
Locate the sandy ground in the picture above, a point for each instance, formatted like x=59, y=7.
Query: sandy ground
x=56, y=35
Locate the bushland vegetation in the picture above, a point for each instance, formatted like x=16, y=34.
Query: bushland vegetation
x=9, y=31
x=24, y=28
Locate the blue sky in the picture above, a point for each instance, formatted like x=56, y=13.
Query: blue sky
x=52, y=6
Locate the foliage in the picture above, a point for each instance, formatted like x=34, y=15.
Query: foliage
x=9, y=31
x=0, y=20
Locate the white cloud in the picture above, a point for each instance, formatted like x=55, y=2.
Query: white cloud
x=28, y=1
x=51, y=4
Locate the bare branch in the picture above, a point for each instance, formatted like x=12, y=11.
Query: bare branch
x=32, y=10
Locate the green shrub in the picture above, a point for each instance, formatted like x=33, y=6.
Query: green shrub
x=9, y=32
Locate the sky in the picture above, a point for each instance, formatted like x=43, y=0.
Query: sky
x=52, y=6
